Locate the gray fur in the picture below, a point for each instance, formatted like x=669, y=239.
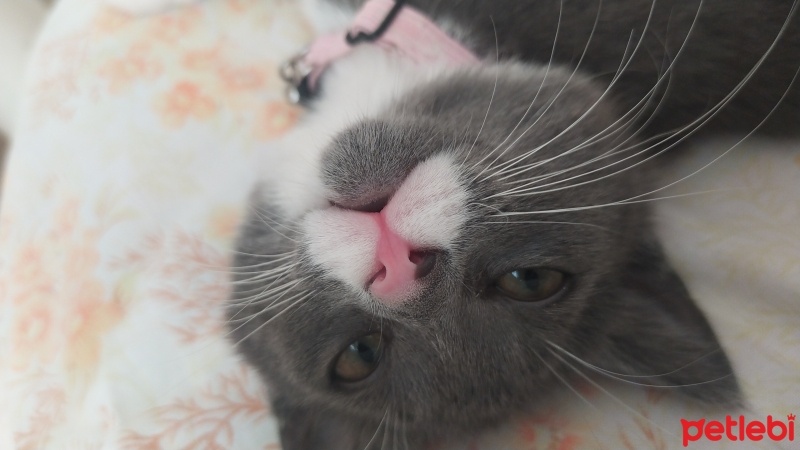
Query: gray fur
x=713, y=44
x=466, y=358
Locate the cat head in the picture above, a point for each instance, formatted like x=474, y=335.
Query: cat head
x=472, y=239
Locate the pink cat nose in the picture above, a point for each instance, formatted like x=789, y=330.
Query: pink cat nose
x=399, y=265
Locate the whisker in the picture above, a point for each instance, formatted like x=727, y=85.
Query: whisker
x=257, y=255
x=245, y=320
x=534, y=190
x=266, y=291
x=483, y=205
x=404, y=433
x=624, y=64
x=571, y=388
x=306, y=298
x=564, y=381
x=538, y=91
x=701, y=121
x=532, y=182
x=273, y=214
x=695, y=172
x=623, y=377
x=265, y=219
x=616, y=128
x=385, y=433
x=740, y=141
x=278, y=257
x=619, y=203
x=491, y=99
x=263, y=297
x=553, y=222
x=395, y=430
x=264, y=274
x=594, y=139
x=378, y=428
x=613, y=397
x=270, y=307
x=558, y=94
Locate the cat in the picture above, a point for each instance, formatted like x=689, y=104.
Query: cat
x=434, y=246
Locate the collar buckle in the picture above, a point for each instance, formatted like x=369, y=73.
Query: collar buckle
x=295, y=72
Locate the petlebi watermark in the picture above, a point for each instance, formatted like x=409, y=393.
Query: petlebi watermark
x=739, y=428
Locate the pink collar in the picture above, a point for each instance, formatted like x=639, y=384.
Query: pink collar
x=395, y=27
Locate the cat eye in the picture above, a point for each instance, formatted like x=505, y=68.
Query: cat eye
x=359, y=359
x=531, y=284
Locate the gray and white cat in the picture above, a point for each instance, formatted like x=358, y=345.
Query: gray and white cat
x=430, y=242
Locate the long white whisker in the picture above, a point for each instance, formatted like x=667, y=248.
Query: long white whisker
x=491, y=99
x=262, y=274
x=532, y=182
x=273, y=305
x=538, y=91
x=263, y=298
x=624, y=64
x=564, y=381
x=555, y=222
x=619, y=203
x=624, y=378
x=728, y=97
x=593, y=139
x=695, y=172
x=303, y=299
x=612, y=396
x=265, y=294
x=265, y=219
x=378, y=428
x=617, y=127
x=236, y=269
x=553, y=100
x=536, y=190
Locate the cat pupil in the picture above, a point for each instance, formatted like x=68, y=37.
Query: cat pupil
x=364, y=352
x=529, y=277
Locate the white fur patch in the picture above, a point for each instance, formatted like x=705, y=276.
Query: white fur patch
x=343, y=243
x=429, y=209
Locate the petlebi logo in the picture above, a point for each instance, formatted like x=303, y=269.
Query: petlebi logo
x=739, y=429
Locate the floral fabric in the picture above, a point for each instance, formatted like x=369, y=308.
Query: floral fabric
x=130, y=170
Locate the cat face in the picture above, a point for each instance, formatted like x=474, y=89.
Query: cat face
x=469, y=234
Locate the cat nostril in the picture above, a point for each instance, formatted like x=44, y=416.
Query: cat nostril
x=424, y=260
x=378, y=277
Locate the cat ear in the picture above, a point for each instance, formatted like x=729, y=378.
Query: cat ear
x=312, y=428
x=657, y=333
